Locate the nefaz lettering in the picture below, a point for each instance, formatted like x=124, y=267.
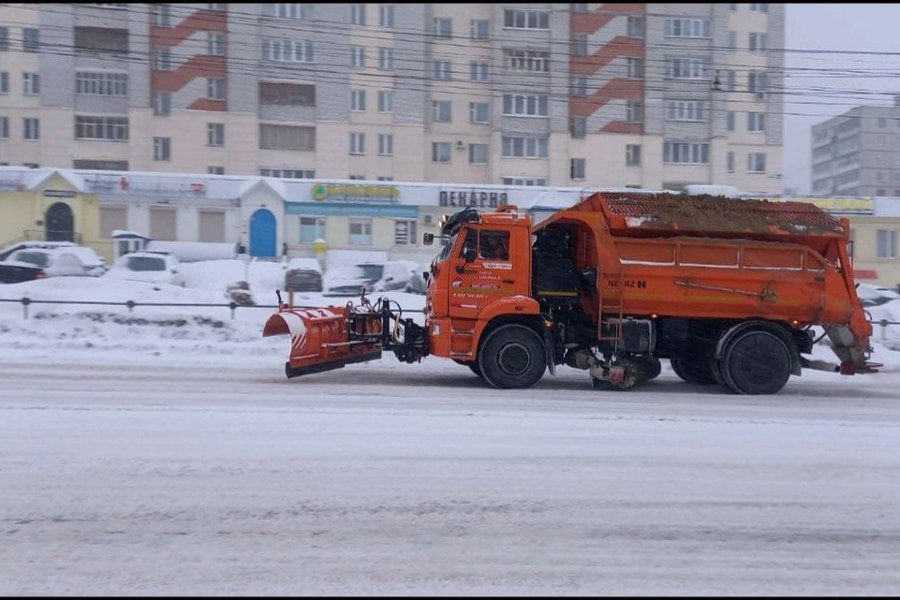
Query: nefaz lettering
x=472, y=198
x=629, y=283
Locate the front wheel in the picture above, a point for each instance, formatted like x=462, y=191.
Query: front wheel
x=512, y=356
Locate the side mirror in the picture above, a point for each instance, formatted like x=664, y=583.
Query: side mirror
x=428, y=239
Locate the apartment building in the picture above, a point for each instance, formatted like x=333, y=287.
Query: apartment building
x=617, y=95
x=858, y=153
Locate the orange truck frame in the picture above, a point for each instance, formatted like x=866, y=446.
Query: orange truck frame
x=727, y=290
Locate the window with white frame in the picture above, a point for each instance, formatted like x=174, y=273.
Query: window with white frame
x=215, y=88
x=478, y=71
x=101, y=83
x=729, y=120
x=687, y=68
x=634, y=111
x=525, y=105
x=756, y=121
x=215, y=43
x=635, y=68
x=357, y=143
x=441, y=69
x=576, y=168
x=632, y=155
x=101, y=128
x=757, y=82
x=440, y=152
x=312, y=229
x=215, y=170
x=580, y=44
x=286, y=137
x=358, y=100
x=759, y=41
x=360, y=232
x=287, y=51
x=886, y=243
x=386, y=15
x=358, y=14
x=685, y=153
x=384, y=178
x=31, y=128
x=686, y=28
x=215, y=134
x=536, y=61
x=4, y=82
x=162, y=15
x=479, y=112
x=756, y=162
x=162, y=149
x=31, y=84
x=526, y=181
x=685, y=110
x=441, y=111
x=578, y=127
x=523, y=146
x=405, y=232
x=161, y=59
x=480, y=28
x=478, y=154
x=289, y=173
x=759, y=7
x=443, y=27
x=4, y=127
x=386, y=58
x=356, y=176
x=520, y=18
x=162, y=103
x=358, y=56
x=579, y=86
x=385, y=101
x=729, y=161
x=287, y=10
x=635, y=27
x=4, y=39
x=385, y=144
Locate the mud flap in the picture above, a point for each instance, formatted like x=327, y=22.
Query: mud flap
x=548, y=352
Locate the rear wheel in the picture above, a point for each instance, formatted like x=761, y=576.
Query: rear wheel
x=512, y=356
x=475, y=369
x=755, y=362
x=693, y=368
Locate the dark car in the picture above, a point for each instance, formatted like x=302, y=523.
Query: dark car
x=303, y=275
x=392, y=275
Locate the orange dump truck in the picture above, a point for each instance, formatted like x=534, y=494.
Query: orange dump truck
x=727, y=290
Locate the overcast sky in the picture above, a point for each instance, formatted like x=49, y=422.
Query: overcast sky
x=853, y=59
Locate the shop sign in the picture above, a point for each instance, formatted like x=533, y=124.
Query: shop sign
x=360, y=193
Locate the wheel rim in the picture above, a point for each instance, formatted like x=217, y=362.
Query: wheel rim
x=514, y=359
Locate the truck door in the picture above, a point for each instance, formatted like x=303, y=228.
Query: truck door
x=481, y=272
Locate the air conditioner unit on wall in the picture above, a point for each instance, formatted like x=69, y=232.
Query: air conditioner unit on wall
x=427, y=219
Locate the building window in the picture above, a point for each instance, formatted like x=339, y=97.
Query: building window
x=360, y=232
x=215, y=134
x=635, y=68
x=478, y=71
x=443, y=27
x=441, y=69
x=686, y=68
x=358, y=100
x=576, y=168
x=440, y=152
x=101, y=83
x=524, y=181
x=527, y=60
x=385, y=101
x=632, y=155
x=685, y=153
x=288, y=173
x=525, y=105
x=358, y=56
x=31, y=128
x=386, y=59
x=478, y=154
x=32, y=84
x=886, y=240
x=405, y=232
x=211, y=170
x=386, y=15
x=729, y=162
x=4, y=82
x=732, y=40
x=526, y=19
x=162, y=103
x=357, y=177
x=286, y=10
x=161, y=59
x=215, y=43
x=31, y=40
x=162, y=15
x=635, y=27
x=634, y=111
x=480, y=29
x=729, y=120
x=756, y=162
x=759, y=7
x=101, y=41
x=578, y=127
x=162, y=148
x=759, y=41
x=756, y=82
x=286, y=137
x=384, y=178
x=524, y=147
x=687, y=28
x=685, y=110
x=4, y=39
x=385, y=144
x=358, y=14
x=579, y=87
x=756, y=121
x=287, y=51
x=312, y=229
x=211, y=226
x=441, y=111
x=479, y=112
x=215, y=88
x=101, y=128
x=357, y=143
x=4, y=127
x=287, y=94
x=580, y=44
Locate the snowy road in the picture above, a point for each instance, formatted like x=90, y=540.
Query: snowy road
x=383, y=478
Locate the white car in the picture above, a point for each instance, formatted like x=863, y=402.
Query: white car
x=37, y=263
x=152, y=267
x=94, y=264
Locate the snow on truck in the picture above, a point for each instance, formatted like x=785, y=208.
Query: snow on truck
x=727, y=290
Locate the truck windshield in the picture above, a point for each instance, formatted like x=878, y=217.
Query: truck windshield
x=448, y=243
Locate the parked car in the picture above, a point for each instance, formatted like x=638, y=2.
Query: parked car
x=871, y=295
x=402, y=275
x=152, y=267
x=94, y=264
x=36, y=263
x=303, y=275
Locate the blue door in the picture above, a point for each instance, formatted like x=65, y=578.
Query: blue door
x=262, y=233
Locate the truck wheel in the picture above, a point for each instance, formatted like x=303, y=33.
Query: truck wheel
x=755, y=362
x=693, y=368
x=475, y=369
x=512, y=356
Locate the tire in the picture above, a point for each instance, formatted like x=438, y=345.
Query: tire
x=475, y=369
x=694, y=368
x=512, y=356
x=755, y=362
